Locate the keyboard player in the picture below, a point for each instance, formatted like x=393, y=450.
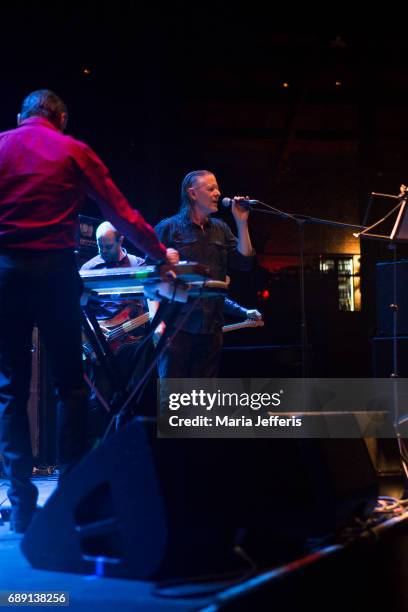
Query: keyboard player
x=112, y=315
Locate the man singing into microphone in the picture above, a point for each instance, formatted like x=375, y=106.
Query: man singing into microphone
x=195, y=350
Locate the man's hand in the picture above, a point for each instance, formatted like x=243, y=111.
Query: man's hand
x=172, y=256
x=158, y=332
x=254, y=315
x=240, y=213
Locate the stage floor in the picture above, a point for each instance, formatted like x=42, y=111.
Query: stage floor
x=85, y=591
x=46, y=486
x=367, y=572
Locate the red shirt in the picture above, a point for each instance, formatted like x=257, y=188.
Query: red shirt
x=44, y=175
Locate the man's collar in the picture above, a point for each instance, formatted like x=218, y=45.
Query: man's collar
x=123, y=254
x=37, y=120
x=205, y=224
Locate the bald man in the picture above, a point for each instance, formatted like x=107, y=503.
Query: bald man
x=112, y=254
x=111, y=251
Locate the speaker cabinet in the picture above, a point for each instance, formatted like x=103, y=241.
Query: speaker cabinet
x=385, y=272
x=147, y=508
x=33, y=407
x=41, y=406
x=383, y=357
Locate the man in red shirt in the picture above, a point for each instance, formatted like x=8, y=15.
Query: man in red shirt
x=44, y=175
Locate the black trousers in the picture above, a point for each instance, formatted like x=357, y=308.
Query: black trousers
x=189, y=356
x=40, y=288
x=192, y=356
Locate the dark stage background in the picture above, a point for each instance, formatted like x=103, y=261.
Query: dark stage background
x=309, y=121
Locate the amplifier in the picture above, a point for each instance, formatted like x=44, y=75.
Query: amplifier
x=382, y=357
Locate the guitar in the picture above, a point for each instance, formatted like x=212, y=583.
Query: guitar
x=114, y=331
x=247, y=323
x=117, y=332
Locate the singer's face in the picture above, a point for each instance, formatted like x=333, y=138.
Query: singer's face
x=205, y=194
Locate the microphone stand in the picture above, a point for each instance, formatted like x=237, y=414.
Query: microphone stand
x=301, y=220
x=393, y=241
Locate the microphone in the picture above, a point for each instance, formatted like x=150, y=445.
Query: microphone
x=230, y=201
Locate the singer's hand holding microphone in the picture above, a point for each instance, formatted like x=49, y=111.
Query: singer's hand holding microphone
x=240, y=207
x=243, y=201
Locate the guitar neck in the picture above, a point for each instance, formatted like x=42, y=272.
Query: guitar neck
x=134, y=323
x=247, y=323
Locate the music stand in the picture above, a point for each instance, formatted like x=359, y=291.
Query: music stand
x=399, y=230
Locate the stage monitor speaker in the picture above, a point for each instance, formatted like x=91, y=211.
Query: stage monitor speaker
x=147, y=508
x=386, y=457
x=385, y=297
